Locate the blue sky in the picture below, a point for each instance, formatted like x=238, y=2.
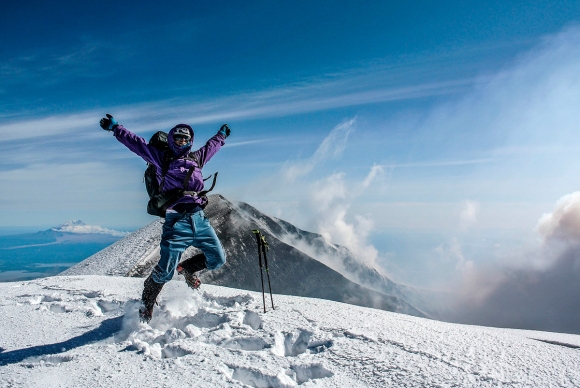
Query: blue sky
x=423, y=135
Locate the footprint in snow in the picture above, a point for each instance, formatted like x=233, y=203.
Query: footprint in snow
x=246, y=343
x=296, y=375
x=228, y=301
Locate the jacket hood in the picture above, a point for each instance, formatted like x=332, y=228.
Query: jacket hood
x=174, y=149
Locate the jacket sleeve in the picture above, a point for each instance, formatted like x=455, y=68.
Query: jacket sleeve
x=205, y=153
x=138, y=145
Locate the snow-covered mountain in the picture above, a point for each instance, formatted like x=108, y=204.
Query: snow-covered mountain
x=83, y=332
x=79, y=227
x=301, y=263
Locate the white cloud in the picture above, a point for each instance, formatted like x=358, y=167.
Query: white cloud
x=80, y=227
x=327, y=207
x=48, y=126
x=244, y=143
x=564, y=222
x=512, y=140
x=322, y=204
x=452, y=252
x=469, y=212
x=331, y=147
x=524, y=119
x=535, y=286
x=317, y=95
x=442, y=163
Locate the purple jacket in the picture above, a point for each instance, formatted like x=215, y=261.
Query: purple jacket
x=178, y=168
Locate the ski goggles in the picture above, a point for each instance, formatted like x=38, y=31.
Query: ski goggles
x=181, y=137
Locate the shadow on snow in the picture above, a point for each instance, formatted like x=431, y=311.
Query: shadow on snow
x=106, y=329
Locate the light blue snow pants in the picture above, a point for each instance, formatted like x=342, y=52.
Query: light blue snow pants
x=181, y=231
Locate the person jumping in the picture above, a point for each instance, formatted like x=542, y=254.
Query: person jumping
x=178, y=171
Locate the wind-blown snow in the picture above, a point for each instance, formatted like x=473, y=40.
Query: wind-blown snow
x=77, y=226
x=83, y=332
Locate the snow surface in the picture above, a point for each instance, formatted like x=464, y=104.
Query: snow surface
x=83, y=331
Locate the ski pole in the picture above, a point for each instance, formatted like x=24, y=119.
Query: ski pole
x=259, y=242
x=265, y=247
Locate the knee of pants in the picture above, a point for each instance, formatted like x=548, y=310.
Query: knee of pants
x=163, y=271
x=160, y=276
x=217, y=260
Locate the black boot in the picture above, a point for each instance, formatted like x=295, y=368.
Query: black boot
x=150, y=291
x=188, y=269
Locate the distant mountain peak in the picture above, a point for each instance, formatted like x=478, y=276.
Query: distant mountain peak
x=79, y=227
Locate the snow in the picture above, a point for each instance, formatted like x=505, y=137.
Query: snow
x=83, y=331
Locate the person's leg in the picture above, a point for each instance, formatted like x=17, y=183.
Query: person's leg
x=193, y=264
x=205, y=238
x=177, y=236
x=150, y=292
x=188, y=269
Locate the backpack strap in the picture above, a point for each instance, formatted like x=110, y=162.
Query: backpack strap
x=167, y=159
x=203, y=192
x=188, y=177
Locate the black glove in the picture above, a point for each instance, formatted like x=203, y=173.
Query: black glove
x=108, y=123
x=225, y=130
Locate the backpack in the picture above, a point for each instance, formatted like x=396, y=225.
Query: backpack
x=159, y=201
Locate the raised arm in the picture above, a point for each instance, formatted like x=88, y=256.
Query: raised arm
x=138, y=145
x=205, y=153
x=135, y=143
